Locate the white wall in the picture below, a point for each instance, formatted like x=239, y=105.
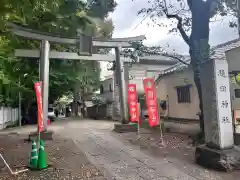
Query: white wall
x=232, y=57
x=8, y=116
x=106, y=89
x=167, y=86
x=140, y=71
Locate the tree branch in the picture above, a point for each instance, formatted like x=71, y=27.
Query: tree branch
x=189, y=2
x=180, y=27
x=154, y=50
x=166, y=55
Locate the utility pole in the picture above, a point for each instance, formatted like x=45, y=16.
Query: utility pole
x=19, y=104
x=20, y=101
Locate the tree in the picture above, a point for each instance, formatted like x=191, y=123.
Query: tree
x=101, y=8
x=189, y=16
x=59, y=17
x=62, y=17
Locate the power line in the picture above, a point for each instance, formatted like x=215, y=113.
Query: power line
x=144, y=18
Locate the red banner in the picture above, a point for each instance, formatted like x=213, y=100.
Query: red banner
x=132, y=101
x=38, y=91
x=151, y=100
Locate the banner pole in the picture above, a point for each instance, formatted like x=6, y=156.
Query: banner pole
x=160, y=124
x=138, y=126
x=161, y=135
x=39, y=137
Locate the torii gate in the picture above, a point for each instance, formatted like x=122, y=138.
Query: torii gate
x=85, y=48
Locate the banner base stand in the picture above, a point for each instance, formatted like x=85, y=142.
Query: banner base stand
x=45, y=135
x=124, y=128
x=138, y=137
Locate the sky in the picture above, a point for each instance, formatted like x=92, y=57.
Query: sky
x=127, y=23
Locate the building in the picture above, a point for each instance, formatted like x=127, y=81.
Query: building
x=177, y=87
x=148, y=66
x=107, y=88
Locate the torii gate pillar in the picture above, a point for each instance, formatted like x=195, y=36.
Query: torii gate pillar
x=120, y=106
x=44, y=78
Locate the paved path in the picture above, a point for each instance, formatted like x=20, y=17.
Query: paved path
x=121, y=161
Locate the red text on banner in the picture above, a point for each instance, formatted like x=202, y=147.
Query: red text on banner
x=132, y=101
x=151, y=101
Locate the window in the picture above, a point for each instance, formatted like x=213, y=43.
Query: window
x=50, y=109
x=110, y=88
x=183, y=94
x=237, y=93
x=101, y=89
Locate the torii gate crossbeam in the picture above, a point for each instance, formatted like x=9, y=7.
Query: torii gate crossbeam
x=68, y=55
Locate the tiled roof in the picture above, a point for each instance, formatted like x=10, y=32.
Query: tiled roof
x=217, y=52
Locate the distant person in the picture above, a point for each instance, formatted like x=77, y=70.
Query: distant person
x=163, y=105
x=67, y=111
x=56, y=112
x=62, y=112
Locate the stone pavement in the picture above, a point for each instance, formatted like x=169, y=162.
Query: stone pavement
x=121, y=161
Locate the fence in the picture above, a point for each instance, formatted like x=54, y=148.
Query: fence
x=97, y=112
x=8, y=116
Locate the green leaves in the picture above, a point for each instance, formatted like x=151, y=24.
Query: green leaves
x=101, y=8
x=61, y=17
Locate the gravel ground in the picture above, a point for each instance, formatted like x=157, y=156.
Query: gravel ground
x=175, y=145
x=177, y=149
x=66, y=160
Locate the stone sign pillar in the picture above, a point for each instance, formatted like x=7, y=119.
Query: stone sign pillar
x=219, y=148
x=217, y=114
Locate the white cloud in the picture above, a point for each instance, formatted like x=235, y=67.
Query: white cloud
x=220, y=31
x=125, y=13
x=127, y=23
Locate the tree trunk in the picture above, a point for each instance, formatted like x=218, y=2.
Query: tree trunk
x=199, y=47
x=197, y=81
